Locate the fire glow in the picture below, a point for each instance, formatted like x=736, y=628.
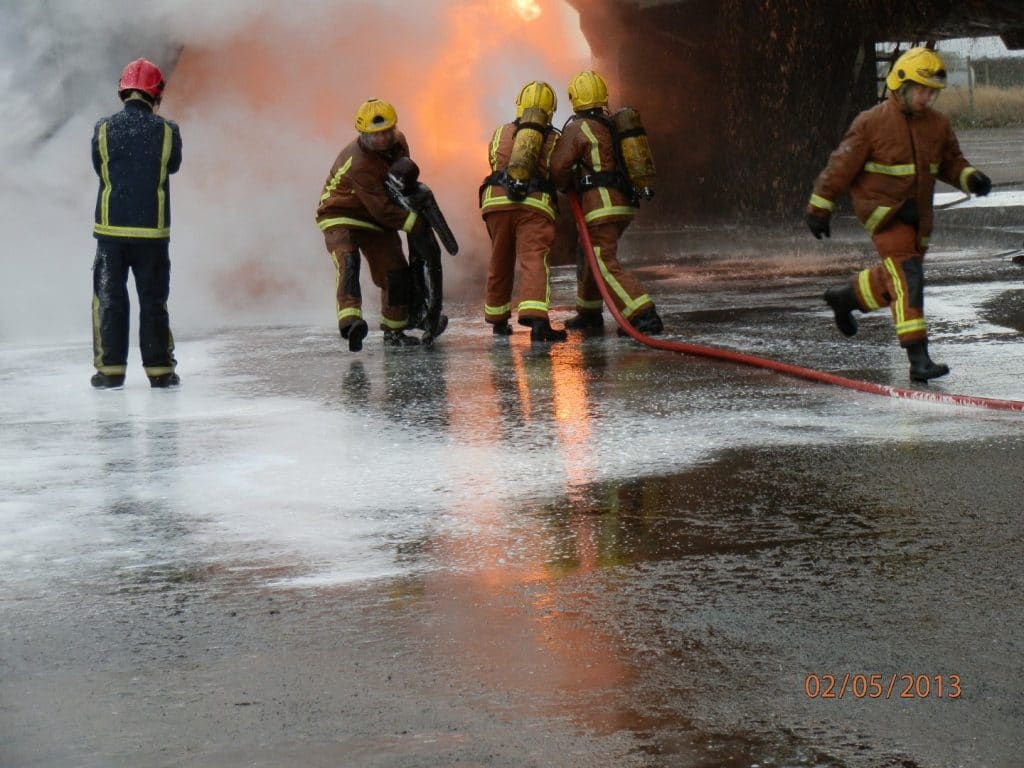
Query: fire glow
x=453, y=77
x=528, y=10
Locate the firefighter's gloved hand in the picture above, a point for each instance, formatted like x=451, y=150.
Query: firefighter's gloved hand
x=419, y=196
x=819, y=225
x=404, y=173
x=979, y=184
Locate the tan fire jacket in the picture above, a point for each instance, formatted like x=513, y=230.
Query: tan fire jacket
x=493, y=197
x=887, y=158
x=354, y=195
x=586, y=148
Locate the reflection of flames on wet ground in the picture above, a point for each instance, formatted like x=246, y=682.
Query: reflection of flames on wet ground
x=510, y=614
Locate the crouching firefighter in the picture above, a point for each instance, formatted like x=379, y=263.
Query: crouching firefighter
x=889, y=160
x=357, y=215
x=405, y=189
x=517, y=202
x=590, y=160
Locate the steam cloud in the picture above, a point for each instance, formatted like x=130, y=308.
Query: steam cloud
x=265, y=98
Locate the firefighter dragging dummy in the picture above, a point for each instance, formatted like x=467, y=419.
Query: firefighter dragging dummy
x=357, y=215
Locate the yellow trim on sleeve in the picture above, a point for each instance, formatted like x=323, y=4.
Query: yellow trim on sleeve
x=105, y=175
x=165, y=158
x=347, y=221
x=820, y=202
x=890, y=170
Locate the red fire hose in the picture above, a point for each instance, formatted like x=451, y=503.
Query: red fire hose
x=774, y=365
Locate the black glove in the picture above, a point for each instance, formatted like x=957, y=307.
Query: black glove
x=979, y=184
x=819, y=225
x=404, y=173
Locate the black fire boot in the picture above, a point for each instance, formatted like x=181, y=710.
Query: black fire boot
x=397, y=338
x=107, y=381
x=585, y=321
x=843, y=301
x=922, y=367
x=501, y=329
x=355, y=332
x=541, y=330
x=164, y=381
x=647, y=322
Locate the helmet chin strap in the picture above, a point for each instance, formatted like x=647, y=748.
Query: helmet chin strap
x=154, y=104
x=904, y=97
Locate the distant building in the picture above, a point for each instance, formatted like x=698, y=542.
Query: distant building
x=1005, y=72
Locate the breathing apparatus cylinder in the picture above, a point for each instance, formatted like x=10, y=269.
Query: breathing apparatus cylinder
x=526, y=148
x=636, y=151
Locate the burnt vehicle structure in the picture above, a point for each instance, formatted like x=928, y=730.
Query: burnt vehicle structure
x=744, y=100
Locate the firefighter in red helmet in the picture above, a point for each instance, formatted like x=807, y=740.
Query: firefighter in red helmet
x=134, y=151
x=356, y=214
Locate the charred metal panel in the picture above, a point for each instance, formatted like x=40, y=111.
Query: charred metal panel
x=744, y=99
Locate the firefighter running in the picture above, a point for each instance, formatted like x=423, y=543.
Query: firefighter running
x=517, y=202
x=356, y=214
x=889, y=161
x=134, y=152
x=589, y=160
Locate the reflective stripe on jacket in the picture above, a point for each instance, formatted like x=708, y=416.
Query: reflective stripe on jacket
x=134, y=151
x=354, y=195
x=587, y=146
x=494, y=197
x=888, y=157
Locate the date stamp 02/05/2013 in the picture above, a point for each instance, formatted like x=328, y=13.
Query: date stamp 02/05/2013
x=897, y=685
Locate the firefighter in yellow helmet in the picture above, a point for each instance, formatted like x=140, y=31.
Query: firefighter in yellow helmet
x=587, y=160
x=356, y=214
x=889, y=161
x=517, y=202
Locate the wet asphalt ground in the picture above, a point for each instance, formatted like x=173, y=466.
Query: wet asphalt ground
x=490, y=553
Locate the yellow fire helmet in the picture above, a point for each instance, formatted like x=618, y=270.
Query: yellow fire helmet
x=918, y=65
x=588, y=90
x=536, y=94
x=375, y=116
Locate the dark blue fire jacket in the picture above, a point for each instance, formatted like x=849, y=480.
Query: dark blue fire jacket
x=134, y=152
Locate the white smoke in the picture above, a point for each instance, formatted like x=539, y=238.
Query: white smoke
x=264, y=94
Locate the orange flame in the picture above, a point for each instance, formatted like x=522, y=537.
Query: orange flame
x=528, y=10
x=267, y=99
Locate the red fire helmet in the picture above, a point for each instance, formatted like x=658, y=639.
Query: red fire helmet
x=142, y=75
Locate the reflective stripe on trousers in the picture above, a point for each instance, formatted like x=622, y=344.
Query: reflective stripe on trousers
x=383, y=253
x=897, y=282
x=629, y=295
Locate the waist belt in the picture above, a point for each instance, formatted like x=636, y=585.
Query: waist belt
x=516, y=189
x=614, y=179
